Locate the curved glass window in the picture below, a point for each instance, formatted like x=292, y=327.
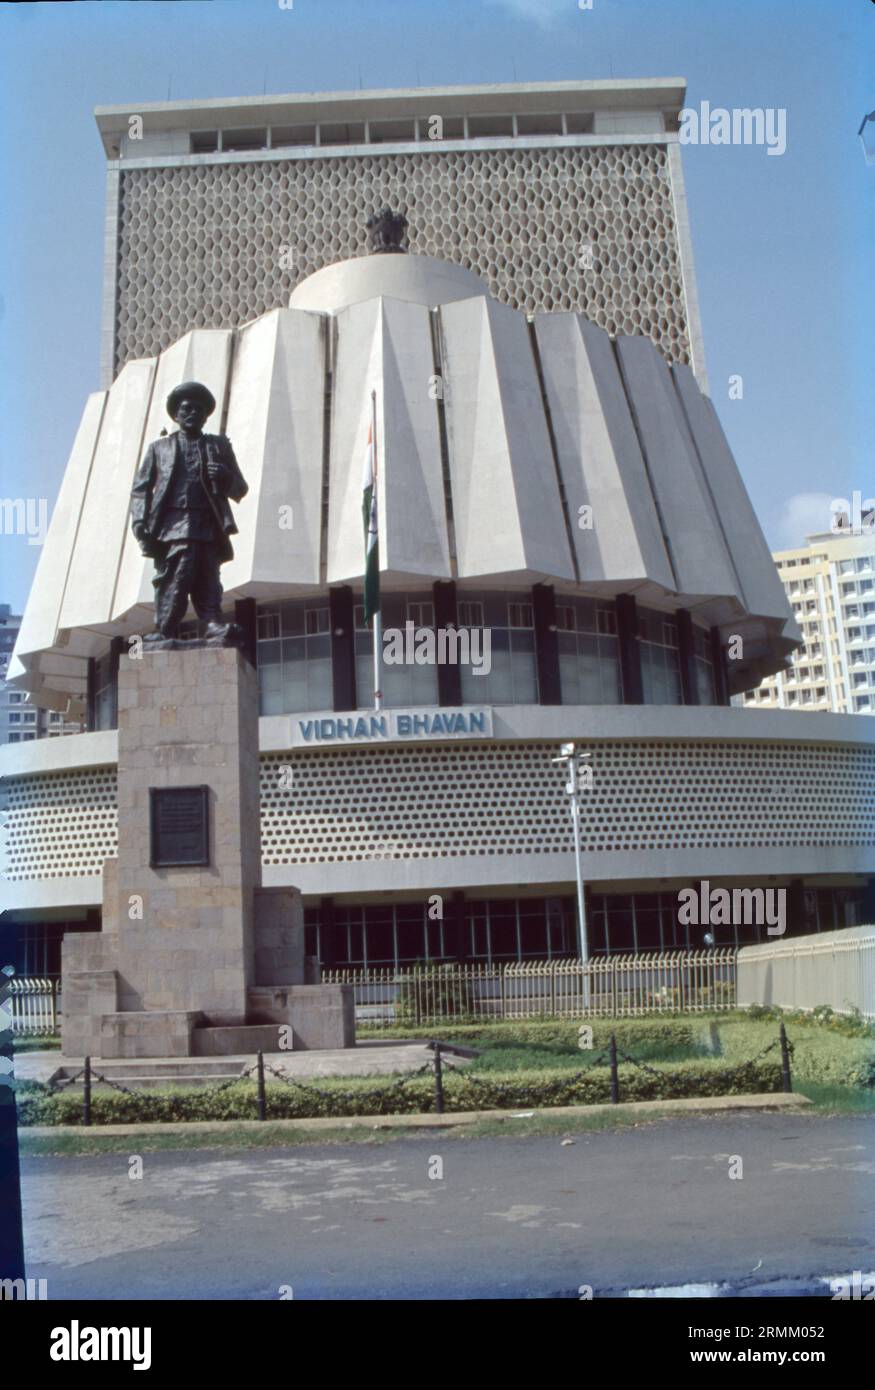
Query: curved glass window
x=660, y=661
x=410, y=681
x=589, y=653
x=494, y=643
x=499, y=629
x=294, y=657
x=704, y=668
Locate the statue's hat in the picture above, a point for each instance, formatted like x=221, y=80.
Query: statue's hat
x=190, y=388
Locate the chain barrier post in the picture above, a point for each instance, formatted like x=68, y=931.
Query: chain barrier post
x=86, y=1093
x=786, y=1079
x=262, y=1103
x=438, y=1080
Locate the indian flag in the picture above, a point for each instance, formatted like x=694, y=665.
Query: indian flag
x=369, y=514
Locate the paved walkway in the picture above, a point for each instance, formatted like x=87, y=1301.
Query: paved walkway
x=368, y=1058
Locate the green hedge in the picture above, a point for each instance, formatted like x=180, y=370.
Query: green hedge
x=344, y=1096
x=630, y=1032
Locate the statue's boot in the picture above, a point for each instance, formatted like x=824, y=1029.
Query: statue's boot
x=229, y=633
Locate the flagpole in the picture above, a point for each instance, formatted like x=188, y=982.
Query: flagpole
x=378, y=616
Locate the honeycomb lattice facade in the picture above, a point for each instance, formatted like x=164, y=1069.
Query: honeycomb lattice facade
x=590, y=229
x=60, y=824
x=438, y=802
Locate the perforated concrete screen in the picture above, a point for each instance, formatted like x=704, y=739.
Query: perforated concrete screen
x=473, y=800
x=585, y=228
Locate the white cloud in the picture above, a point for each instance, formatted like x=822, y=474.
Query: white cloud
x=803, y=514
x=543, y=12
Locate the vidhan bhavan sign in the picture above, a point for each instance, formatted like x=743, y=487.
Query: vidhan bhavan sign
x=389, y=726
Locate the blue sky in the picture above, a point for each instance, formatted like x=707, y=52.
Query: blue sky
x=783, y=245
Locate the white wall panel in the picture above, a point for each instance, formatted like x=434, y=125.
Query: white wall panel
x=95, y=563
x=413, y=523
x=40, y=619
x=506, y=504
x=763, y=590
x=599, y=457
x=700, y=559
x=275, y=423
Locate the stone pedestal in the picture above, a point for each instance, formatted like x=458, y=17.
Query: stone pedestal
x=183, y=946
x=186, y=719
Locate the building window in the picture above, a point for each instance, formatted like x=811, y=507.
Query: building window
x=316, y=621
x=508, y=627
x=470, y=614
x=204, y=141
x=403, y=684
x=294, y=667
x=606, y=621
x=589, y=655
x=420, y=614
x=268, y=626
x=520, y=615
x=705, y=683
x=660, y=662
x=104, y=692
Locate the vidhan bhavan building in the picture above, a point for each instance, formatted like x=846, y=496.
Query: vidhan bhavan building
x=551, y=471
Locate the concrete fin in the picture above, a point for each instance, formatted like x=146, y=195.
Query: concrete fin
x=501, y=462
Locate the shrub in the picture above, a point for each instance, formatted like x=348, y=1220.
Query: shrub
x=433, y=989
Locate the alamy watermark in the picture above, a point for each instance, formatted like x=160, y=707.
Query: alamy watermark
x=741, y=126
x=24, y=516
x=449, y=646
x=724, y=907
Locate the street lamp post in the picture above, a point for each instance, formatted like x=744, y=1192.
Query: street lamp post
x=572, y=762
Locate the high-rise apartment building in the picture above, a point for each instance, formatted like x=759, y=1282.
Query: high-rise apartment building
x=830, y=584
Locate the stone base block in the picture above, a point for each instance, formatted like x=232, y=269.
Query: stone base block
x=279, y=937
x=89, y=989
x=87, y=996
x=322, y=1016
x=154, y=1034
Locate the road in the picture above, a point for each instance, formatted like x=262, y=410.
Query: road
x=616, y=1210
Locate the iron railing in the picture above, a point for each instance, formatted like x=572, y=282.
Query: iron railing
x=621, y=986
x=34, y=1003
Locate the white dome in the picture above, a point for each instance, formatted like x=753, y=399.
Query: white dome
x=415, y=279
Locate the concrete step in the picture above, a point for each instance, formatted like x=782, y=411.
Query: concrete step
x=248, y=1039
x=151, y=1071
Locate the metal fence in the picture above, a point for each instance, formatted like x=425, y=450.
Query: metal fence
x=613, y=987
x=836, y=968
x=34, y=1005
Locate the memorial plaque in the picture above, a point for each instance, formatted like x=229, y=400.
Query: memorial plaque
x=179, y=824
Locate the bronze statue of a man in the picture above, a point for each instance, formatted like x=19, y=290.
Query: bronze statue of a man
x=181, y=516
